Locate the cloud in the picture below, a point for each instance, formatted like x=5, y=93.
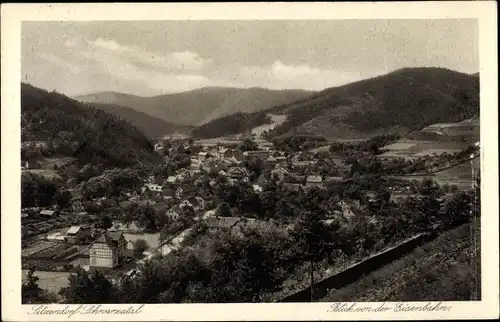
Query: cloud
x=174, y=61
x=282, y=76
x=104, y=64
x=107, y=65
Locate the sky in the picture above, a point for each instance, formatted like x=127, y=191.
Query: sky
x=149, y=58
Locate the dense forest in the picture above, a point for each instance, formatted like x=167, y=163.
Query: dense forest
x=86, y=133
x=231, y=124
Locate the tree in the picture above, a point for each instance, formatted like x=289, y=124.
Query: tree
x=373, y=148
x=105, y=222
x=140, y=246
x=224, y=210
x=248, y=145
x=30, y=291
x=429, y=187
x=62, y=198
x=458, y=209
x=255, y=166
x=313, y=238
x=147, y=217
x=87, y=288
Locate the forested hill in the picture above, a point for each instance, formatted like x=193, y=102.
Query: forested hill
x=151, y=126
x=403, y=100
x=85, y=132
x=398, y=102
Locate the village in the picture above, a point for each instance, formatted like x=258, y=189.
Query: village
x=87, y=246
x=61, y=240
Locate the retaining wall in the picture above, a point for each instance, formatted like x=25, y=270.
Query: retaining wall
x=356, y=271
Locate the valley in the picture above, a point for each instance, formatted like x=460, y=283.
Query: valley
x=183, y=202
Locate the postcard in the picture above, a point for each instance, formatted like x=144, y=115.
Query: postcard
x=249, y=161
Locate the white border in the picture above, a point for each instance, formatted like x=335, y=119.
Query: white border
x=13, y=14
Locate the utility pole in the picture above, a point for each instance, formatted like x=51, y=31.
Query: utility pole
x=312, y=281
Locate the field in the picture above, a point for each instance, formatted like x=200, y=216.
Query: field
x=445, y=269
x=406, y=148
x=227, y=141
x=460, y=175
x=51, y=281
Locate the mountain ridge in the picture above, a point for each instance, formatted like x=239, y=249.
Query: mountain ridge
x=199, y=106
x=398, y=102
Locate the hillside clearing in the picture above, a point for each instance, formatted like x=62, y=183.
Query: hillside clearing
x=277, y=121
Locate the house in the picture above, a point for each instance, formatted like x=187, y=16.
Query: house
x=48, y=213
x=261, y=154
x=334, y=179
x=168, y=193
x=201, y=202
x=202, y=156
x=171, y=179
x=220, y=152
x=238, y=173
x=153, y=187
x=257, y=188
x=158, y=146
x=109, y=250
x=133, y=273
x=294, y=187
x=174, y=213
x=217, y=224
x=25, y=165
x=193, y=172
x=298, y=166
x=279, y=173
x=281, y=159
x=271, y=160
x=225, y=153
x=135, y=198
x=190, y=202
x=345, y=209
x=314, y=181
x=78, y=234
x=76, y=201
x=161, y=208
x=184, y=191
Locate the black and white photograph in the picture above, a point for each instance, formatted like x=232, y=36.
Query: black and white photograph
x=250, y=161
